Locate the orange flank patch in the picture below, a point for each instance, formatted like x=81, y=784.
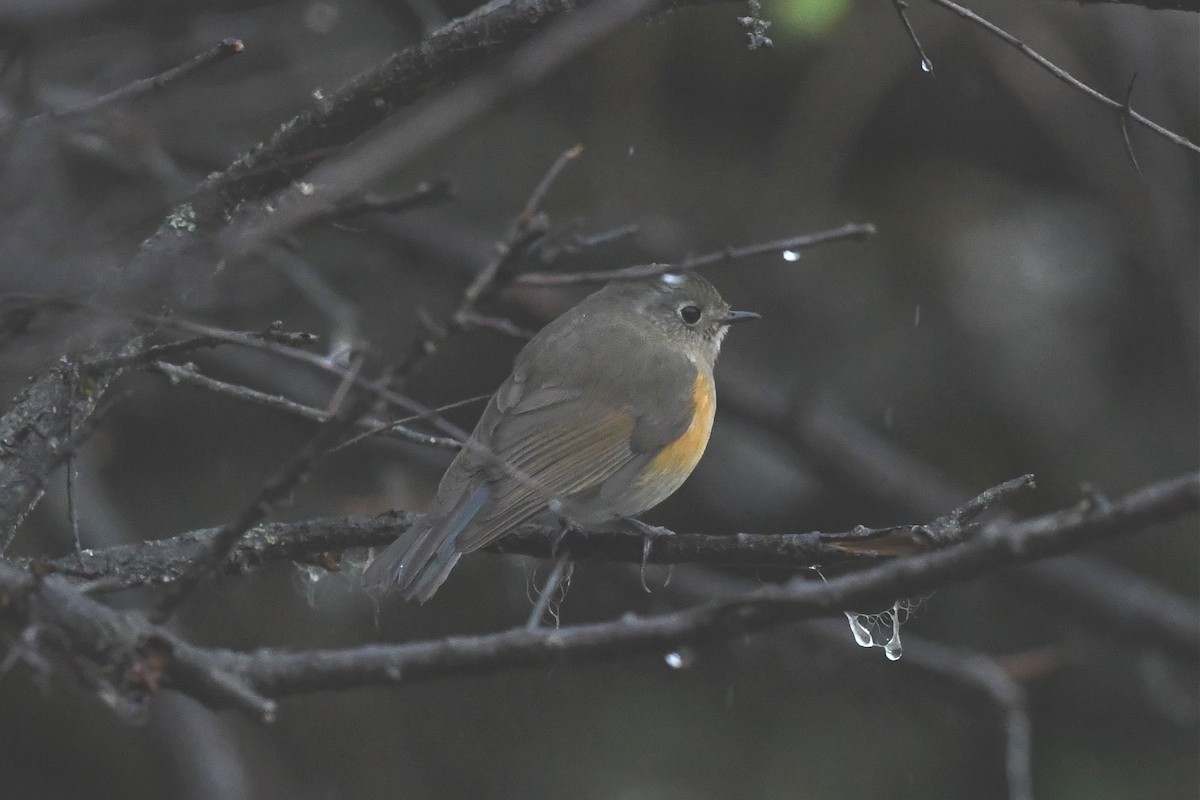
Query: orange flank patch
x=681, y=456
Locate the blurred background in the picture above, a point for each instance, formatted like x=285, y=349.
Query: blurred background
x=1030, y=304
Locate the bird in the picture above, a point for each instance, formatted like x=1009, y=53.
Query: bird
x=606, y=413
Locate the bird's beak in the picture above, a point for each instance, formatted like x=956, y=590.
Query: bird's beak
x=737, y=316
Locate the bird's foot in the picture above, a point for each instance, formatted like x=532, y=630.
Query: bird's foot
x=565, y=527
x=649, y=534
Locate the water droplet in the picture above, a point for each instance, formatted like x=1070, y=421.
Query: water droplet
x=308, y=576
x=682, y=658
x=926, y=65
x=893, y=649
x=862, y=636
x=630, y=151
x=917, y=315
x=791, y=255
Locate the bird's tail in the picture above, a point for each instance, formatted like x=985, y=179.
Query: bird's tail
x=419, y=561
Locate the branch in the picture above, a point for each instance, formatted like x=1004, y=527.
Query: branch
x=164, y=560
x=218, y=548
x=854, y=454
x=139, y=88
x=43, y=413
x=470, y=99
x=35, y=435
x=1066, y=77
x=854, y=231
x=276, y=673
x=1155, y=5
x=190, y=375
x=1128, y=605
x=142, y=654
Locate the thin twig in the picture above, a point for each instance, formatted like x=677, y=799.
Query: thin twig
x=424, y=195
x=72, y=376
x=526, y=228
x=506, y=327
x=1065, y=76
x=1126, y=111
x=902, y=9
x=467, y=101
x=853, y=231
x=272, y=493
x=534, y=203
x=281, y=344
x=139, y=88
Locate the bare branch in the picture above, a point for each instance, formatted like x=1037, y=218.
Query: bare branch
x=163, y=560
x=188, y=374
x=277, y=673
x=222, y=543
x=42, y=414
x=467, y=101
x=852, y=231
x=425, y=195
x=1066, y=77
x=143, y=654
x=34, y=447
x=902, y=9
x=139, y=88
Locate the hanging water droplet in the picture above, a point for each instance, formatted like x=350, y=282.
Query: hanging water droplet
x=791, y=255
x=674, y=660
x=310, y=573
x=862, y=636
x=893, y=649
x=926, y=65
x=307, y=578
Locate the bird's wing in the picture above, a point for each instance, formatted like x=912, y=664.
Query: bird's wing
x=554, y=445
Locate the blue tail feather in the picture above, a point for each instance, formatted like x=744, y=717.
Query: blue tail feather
x=421, y=559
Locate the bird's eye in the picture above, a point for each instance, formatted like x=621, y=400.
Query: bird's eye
x=689, y=314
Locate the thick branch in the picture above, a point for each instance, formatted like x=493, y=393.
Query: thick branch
x=36, y=435
x=221, y=677
x=165, y=560
x=143, y=654
x=280, y=673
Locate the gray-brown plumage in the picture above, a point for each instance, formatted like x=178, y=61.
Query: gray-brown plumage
x=607, y=411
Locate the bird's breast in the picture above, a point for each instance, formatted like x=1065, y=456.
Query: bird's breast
x=677, y=460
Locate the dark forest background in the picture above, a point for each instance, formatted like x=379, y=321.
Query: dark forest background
x=1030, y=304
